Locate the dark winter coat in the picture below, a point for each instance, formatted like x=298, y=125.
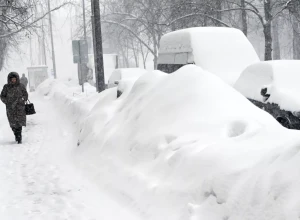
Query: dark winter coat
x=24, y=81
x=14, y=97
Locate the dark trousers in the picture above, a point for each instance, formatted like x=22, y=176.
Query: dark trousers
x=18, y=133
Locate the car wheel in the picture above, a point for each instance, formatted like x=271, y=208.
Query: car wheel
x=285, y=122
x=119, y=93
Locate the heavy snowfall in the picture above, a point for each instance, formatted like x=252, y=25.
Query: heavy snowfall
x=187, y=110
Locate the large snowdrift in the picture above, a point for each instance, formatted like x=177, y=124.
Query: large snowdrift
x=187, y=146
x=226, y=52
x=281, y=78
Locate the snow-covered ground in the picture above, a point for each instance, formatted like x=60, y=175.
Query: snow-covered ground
x=184, y=146
x=38, y=179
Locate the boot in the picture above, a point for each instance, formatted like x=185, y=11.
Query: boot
x=19, y=139
x=19, y=135
x=15, y=133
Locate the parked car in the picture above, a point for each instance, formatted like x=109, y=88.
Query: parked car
x=124, y=77
x=225, y=52
x=122, y=74
x=274, y=86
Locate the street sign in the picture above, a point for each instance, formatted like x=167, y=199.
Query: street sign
x=80, y=51
x=76, y=51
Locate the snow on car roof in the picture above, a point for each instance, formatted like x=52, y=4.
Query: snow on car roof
x=126, y=73
x=281, y=78
x=223, y=51
x=130, y=72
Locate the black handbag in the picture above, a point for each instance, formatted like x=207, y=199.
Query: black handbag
x=29, y=108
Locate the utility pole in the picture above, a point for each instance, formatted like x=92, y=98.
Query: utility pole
x=84, y=24
x=98, y=51
x=52, y=43
x=94, y=44
x=30, y=44
x=83, y=74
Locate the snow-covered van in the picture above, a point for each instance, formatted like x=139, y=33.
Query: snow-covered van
x=225, y=52
x=274, y=86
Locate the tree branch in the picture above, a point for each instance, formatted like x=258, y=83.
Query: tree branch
x=33, y=22
x=131, y=31
x=201, y=14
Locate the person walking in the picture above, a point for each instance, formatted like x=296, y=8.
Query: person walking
x=14, y=96
x=24, y=80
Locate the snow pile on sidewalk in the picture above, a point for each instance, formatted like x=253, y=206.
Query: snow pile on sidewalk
x=69, y=97
x=280, y=77
x=188, y=146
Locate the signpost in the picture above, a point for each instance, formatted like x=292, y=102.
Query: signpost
x=81, y=57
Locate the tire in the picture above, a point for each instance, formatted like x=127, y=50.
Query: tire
x=285, y=122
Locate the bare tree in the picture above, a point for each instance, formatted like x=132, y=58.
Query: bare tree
x=296, y=38
x=16, y=17
x=148, y=20
x=294, y=11
x=244, y=18
x=276, y=41
x=133, y=22
x=266, y=11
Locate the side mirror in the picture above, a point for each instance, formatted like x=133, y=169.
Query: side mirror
x=264, y=91
x=264, y=94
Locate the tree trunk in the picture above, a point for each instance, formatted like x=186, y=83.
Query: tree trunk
x=155, y=59
x=296, y=39
x=276, y=43
x=173, y=14
x=136, y=55
x=144, y=55
x=268, y=42
x=205, y=23
x=244, y=18
x=125, y=59
x=219, y=13
x=268, y=30
x=156, y=44
x=155, y=56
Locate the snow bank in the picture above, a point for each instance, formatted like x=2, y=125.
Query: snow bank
x=188, y=146
x=69, y=97
x=280, y=77
x=225, y=52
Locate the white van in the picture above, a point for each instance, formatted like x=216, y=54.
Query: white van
x=225, y=52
